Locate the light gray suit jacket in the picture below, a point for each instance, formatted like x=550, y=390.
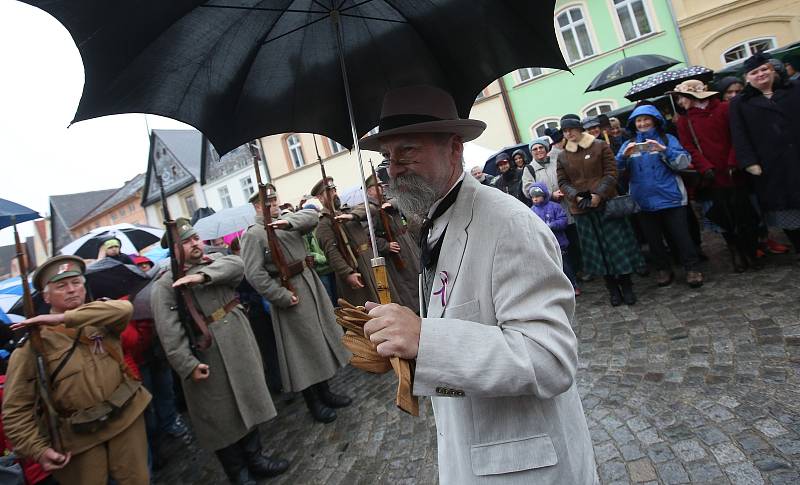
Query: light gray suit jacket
x=500, y=357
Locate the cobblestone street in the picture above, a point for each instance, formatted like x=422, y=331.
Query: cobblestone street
x=685, y=387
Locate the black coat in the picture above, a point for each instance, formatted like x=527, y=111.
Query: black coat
x=766, y=132
x=511, y=183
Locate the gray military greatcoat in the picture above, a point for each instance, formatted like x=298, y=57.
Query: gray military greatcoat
x=234, y=398
x=307, y=336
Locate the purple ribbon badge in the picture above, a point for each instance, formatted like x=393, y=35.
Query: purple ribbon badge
x=97, y=344
x=443, y=277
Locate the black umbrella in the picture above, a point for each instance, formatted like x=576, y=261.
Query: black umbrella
x=490, y=167
x=132, y=237
x=241, y=69
x=110, y=278
x=629, y=69
x=662, y=82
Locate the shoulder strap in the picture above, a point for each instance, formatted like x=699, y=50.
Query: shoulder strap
x=67, y=357
x=694, y=135
x=531, y=170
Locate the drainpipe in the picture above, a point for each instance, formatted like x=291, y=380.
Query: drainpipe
x=678, y=31
x=509, y=111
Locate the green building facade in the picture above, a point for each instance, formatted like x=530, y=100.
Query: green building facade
x=593, y=34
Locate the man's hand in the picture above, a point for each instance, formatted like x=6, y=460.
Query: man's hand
x=345, y=217
x=200, y=373
x=280, y=224
x=50, y=319
x=596, y=200
x=189, y=280
x=53, y=460
x=754, y=170
x=557, y=195
x=394, y=329
x=394, y=247
x=355, y=281
x=294, y=300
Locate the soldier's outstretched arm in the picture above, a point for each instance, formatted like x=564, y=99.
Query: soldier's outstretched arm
x=254, y=248
x=171, y=332
x=303, y=221
x=19, y=398
x=327, y=241
x=114, y=314
x=227, y=270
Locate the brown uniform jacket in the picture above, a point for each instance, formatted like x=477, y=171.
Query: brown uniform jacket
x=587, y=165
x=359, y=242
x=85, y=381
x=404, y=283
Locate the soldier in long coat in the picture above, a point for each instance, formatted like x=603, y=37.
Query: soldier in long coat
x=307, y=336
x=225, y=389
x=404, y=282
x=354, y=278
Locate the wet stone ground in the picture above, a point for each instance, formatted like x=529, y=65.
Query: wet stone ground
x=687, y=386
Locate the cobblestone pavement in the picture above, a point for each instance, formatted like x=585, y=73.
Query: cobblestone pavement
x=684, y=387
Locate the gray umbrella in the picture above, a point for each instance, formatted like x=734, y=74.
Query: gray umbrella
x=226, y=222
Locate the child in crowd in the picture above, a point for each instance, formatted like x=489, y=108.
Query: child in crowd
x=556, y=219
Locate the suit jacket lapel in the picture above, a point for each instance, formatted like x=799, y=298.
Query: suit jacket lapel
x=454, y=245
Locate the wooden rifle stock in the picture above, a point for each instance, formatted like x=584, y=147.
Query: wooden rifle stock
x=272, y=239
x=43, y=387
x=190, y=317
x=386, y=221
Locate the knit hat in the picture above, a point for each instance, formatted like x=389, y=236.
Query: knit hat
x=570, y=121
x=503, y=157
x=540, y=141
x=590, y=122
x=111, y=242
x=756, y=60
x=726, y=82
x=555, y=134
x=536, y=191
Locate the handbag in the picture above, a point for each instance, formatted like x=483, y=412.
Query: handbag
x=620, y=206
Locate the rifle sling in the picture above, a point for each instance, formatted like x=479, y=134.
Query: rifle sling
x=64, y=361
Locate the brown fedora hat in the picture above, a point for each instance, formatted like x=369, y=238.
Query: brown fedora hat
x=421, y=109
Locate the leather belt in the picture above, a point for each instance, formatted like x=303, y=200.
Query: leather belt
x=220, y=312
x=363, y=247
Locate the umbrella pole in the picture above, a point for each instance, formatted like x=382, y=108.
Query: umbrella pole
x=378, y=263
x=404, y=398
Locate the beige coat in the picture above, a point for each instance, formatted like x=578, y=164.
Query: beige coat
x=86, y=380
x=234, y=398
x=307, y=336
x=499, y=356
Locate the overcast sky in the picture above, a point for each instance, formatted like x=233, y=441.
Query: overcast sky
x=40, y=87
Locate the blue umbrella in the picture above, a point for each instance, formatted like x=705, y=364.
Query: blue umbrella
x=12, y=213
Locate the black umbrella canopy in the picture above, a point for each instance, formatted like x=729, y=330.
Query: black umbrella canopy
x=629, y=69
x=240, y=69
x=110, y=278
x=662, y=82
x=490, y=166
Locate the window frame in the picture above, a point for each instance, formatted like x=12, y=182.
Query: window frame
x=545, y=122
x=290, y=150
x=226, y=196
x=746, y=43
x=518, y=74
x=596, y=104
x=332, y=144
x=566, y=10
x=249, y=188
x=628, y=3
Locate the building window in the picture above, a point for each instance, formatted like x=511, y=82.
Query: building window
x=190, y=204
x=528, y=73
x=335, y=146
x=575, y=34
x=633, y=19
x=295, y=150
x=131, y=208
x=598, y=109
x=247, y=187
x=538, y=129
x=225, y=197
x=747, y=49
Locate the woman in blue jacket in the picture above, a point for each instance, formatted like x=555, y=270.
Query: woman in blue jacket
x=652, y=158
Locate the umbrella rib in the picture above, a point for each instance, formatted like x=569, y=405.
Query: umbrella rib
x=365, y=17
x=321, y=5
x=355, y=5
x=267, y=41
x=263, y=9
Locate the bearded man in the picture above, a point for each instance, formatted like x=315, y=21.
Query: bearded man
x=494, y=346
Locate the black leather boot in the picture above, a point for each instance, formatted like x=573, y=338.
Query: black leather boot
x=613, y=290
x=233, y=462
x=330, y=399
x=319, y=411
x=625, y=283
x=258, y=464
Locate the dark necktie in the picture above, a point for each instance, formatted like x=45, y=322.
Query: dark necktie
x=430, y=256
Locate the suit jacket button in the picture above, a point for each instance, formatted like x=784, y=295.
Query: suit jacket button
x=440, y=390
